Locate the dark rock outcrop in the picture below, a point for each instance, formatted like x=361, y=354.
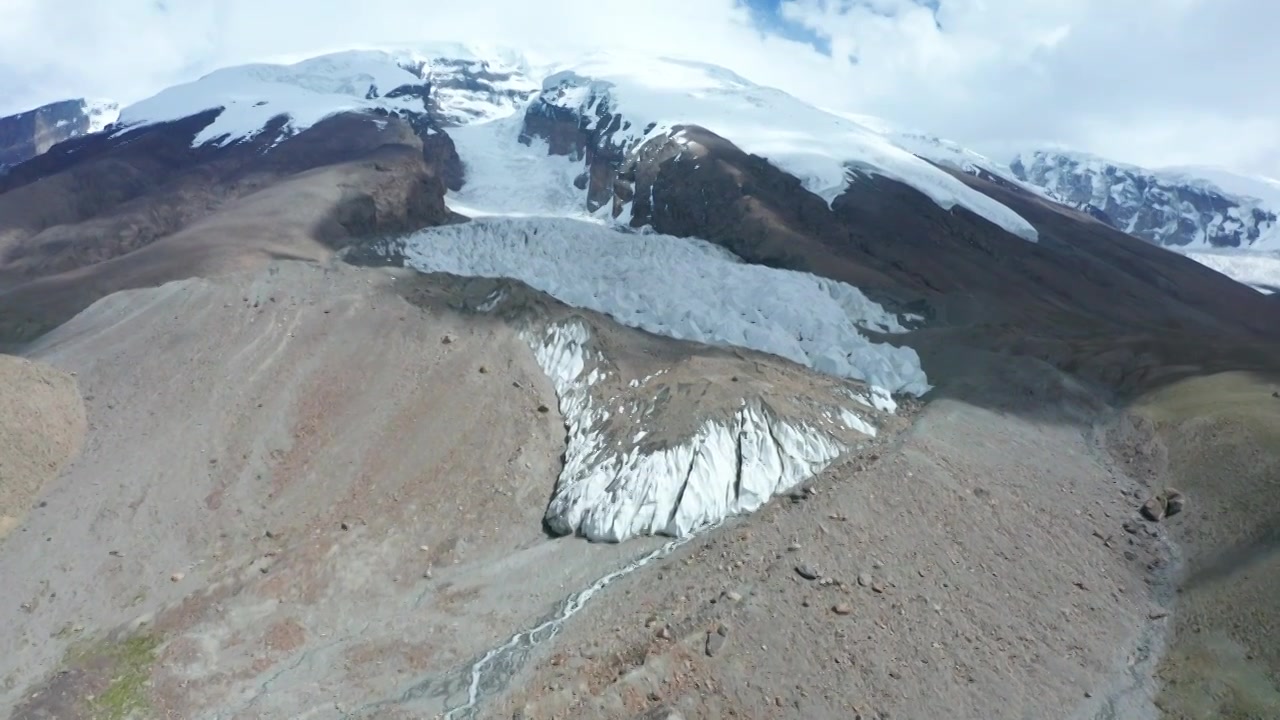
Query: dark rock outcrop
x=26, y=135
x=589, y=137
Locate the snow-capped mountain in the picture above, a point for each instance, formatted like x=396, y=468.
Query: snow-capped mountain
x=445, y=90
x=634, y=296
x=616, y=103
x=1173, y=208
x=25, y=135
x=683, y=148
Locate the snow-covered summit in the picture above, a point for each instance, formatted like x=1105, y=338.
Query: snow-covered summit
x=462, y=85
x=252, y=95
x=1260, y=187
x=633, y=99
x=101, y=113
x=451, y=83
x=1172, y=208
x=946, y=153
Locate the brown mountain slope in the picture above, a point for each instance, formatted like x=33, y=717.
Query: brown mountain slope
x=316, y=489
x=100, y=214
x=886, y=236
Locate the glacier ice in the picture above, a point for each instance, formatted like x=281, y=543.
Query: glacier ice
x=610, y=490
x=684, y=289
x=853, y=421
x=506, y=177
x=1259, y=270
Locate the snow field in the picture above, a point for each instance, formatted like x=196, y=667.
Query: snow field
x=252, y=95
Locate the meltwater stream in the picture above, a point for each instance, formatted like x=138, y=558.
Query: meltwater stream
x=496, y=667
x=493, y=670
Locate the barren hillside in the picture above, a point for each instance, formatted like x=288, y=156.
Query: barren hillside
x=296, y=480
x=42, y=424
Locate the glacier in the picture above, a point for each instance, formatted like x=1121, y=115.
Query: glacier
x=611, y=491
x=684, y=289
x=506, y=177
x=1259, y=269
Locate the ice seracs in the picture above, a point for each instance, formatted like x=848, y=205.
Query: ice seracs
x=682, y=288
x=612, y=488
x=619, y=480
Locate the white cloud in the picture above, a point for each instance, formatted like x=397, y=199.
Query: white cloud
x=1147, y=81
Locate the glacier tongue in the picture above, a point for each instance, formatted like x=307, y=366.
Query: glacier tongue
x=612, y=490
x=685, y=289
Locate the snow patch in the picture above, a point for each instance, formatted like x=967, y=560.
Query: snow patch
x=101, y=114
x=853, y=421
x=612, y=491
x=684, y=289
x=882, y=400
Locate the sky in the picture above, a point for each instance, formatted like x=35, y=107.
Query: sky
x=1151, y=82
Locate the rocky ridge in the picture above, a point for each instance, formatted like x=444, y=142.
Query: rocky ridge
x=1166, y=210
x=28, y=134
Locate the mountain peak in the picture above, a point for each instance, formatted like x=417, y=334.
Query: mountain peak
x=30, y=133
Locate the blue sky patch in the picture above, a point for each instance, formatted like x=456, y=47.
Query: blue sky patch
x=768, y=17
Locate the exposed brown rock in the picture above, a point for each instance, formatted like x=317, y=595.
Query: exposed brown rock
x=1087, y=298
x=101, y=214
